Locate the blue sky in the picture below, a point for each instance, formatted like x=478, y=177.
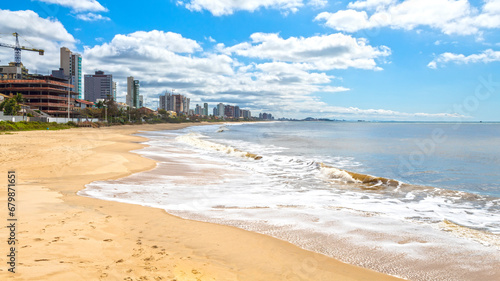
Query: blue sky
x=373, y=59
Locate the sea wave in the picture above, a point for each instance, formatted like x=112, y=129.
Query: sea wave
x=366, y=181
x=196, y=140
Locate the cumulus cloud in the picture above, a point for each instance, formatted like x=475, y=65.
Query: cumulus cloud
x=228, y=7
x=285, y=86
x=448, y=16
x=78, y=5
x=318, y=3
x=325, y=52
x=370, y=4
x=36, y=32
x=92, y=17
x=153, y=44
x=485, y=57
x=165, y=60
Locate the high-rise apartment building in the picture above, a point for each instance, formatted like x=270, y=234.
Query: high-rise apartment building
x=205, y=109
x=162, y=103
x=246, y=114
x=220, y=110
x=114, y=91
x=98, y=86
x=198, y=110
x=71, y=63
x=133, y=92
x=177, y=103
x=237, y=112
x=229, y=111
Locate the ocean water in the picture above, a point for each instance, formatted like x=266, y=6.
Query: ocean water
x=415, y=200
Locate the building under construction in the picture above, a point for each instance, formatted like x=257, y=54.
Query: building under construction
x=44, y=93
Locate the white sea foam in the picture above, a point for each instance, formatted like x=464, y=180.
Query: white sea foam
x=294, y=197
x=337, y=174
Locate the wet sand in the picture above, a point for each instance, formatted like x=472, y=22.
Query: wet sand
x=63, y=236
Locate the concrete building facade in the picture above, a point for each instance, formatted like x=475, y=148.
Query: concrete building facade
x=71, y=63
x=205, y=109
x=220, y=109
x=176, y=103
x=98, y=86
x=12, y=71
x=133, y=92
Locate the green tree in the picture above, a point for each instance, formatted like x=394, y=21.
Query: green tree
x=99, y=104
x=12, y=106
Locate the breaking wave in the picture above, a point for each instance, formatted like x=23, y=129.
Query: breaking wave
x=195, y=139
x=366, y=181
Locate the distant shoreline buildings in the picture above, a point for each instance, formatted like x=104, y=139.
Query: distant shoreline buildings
x=176, y=103
x=179, y=104
x=64, y=92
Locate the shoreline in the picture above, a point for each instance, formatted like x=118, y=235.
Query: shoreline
x=65, y=236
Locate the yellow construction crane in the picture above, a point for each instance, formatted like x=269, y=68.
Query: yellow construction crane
x=17, y=49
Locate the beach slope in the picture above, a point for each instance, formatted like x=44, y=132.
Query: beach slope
x=63, y=236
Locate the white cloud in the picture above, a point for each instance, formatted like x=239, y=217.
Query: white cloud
x=354, y=112
x=79, y=5
x=228, y=7
x=317, y=3
x=485, y=57
x=330, y=89
x=346, y=20
x=92, y=17
x=370, y=4
x=432, y=65
x=157, y=44
x=165, y=60
x=448, y=16
x=285, y=88
x=36, y=32
x=325, y=52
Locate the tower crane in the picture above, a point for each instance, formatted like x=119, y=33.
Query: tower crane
x=17, y=49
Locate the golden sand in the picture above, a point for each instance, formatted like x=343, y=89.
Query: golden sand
x=62, y=236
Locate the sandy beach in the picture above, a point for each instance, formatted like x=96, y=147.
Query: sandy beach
x=63, y=236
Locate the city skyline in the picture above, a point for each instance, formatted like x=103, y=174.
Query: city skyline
x=374, y=60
